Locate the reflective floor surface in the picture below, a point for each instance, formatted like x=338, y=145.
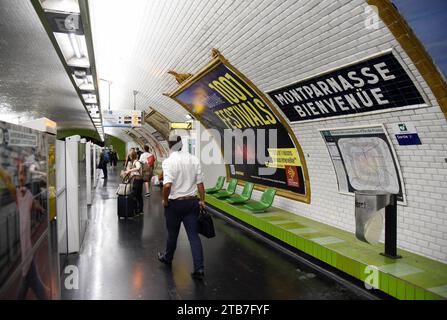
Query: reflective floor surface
x=118, y=261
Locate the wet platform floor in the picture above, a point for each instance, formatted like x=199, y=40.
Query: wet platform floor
x=118, y=261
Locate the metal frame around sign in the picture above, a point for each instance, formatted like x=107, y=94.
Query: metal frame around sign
x=352, y=63
x=393, y=153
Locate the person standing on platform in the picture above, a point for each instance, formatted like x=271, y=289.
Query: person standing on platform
x=137, y=181
x=139, y=152
x=103, y=160
x=147, y=160
x=128, y=162
x=114, y=158
x=182, y=178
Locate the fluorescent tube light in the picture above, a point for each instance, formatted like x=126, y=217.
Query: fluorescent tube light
x=75, y=45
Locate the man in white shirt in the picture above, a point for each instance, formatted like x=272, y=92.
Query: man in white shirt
x=182, y=178
x=149, y=159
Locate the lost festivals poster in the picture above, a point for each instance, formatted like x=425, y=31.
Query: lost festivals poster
x=224, y=100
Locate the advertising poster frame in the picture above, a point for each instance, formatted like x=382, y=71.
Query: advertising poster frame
x=217, y=61
x=24, y=201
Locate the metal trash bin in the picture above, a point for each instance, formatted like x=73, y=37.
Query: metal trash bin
x=370, y=214
x=373, y=210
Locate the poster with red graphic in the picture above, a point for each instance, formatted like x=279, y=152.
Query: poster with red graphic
x=293, y=179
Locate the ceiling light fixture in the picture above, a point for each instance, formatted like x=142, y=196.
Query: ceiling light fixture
x=66, y=23
x=89, y=98
x=75, y=45
x=78, y=73
x=63, y=6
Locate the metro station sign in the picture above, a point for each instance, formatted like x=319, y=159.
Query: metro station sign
x=121, y=118
x=181, y=125
x=378, y=83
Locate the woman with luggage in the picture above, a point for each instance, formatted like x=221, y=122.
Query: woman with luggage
x=137, y=181
x=128, y=162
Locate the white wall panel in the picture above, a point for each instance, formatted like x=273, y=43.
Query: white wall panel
x=61, y=200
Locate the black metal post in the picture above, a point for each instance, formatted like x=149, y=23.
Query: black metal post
x=391, y=229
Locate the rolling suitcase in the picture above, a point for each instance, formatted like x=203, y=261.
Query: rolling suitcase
x=126, y=206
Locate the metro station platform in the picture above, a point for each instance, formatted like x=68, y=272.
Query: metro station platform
x=411, y=277
x=118, y=261
x=321, y=103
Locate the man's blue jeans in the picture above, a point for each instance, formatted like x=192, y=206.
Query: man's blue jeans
x=185, y=211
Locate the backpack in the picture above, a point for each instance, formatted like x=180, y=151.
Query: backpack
x=151, y=160
x=147, y=167
x=106, y=157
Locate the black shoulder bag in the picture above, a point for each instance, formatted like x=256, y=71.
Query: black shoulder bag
x=206, y=225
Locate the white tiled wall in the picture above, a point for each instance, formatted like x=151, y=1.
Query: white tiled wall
x=330, y=34
x=306, y=50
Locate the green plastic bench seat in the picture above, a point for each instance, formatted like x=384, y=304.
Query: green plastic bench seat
x=265, y=203
x=244, y=197
x=231, y=189
x=219, y=184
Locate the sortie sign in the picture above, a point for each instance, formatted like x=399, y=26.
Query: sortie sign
x=375, y=84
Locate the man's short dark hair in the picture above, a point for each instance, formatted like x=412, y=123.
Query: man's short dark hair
x=175, y=143
x=146, y=148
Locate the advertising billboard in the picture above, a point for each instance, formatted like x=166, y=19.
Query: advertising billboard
x=24, y=207
x=256, y=142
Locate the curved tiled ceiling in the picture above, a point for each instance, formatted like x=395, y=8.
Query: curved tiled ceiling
x=118, y=133
x=137, y=42
x=123, y=133
x=156, y=145
x=33, y=81
x=136, y=54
